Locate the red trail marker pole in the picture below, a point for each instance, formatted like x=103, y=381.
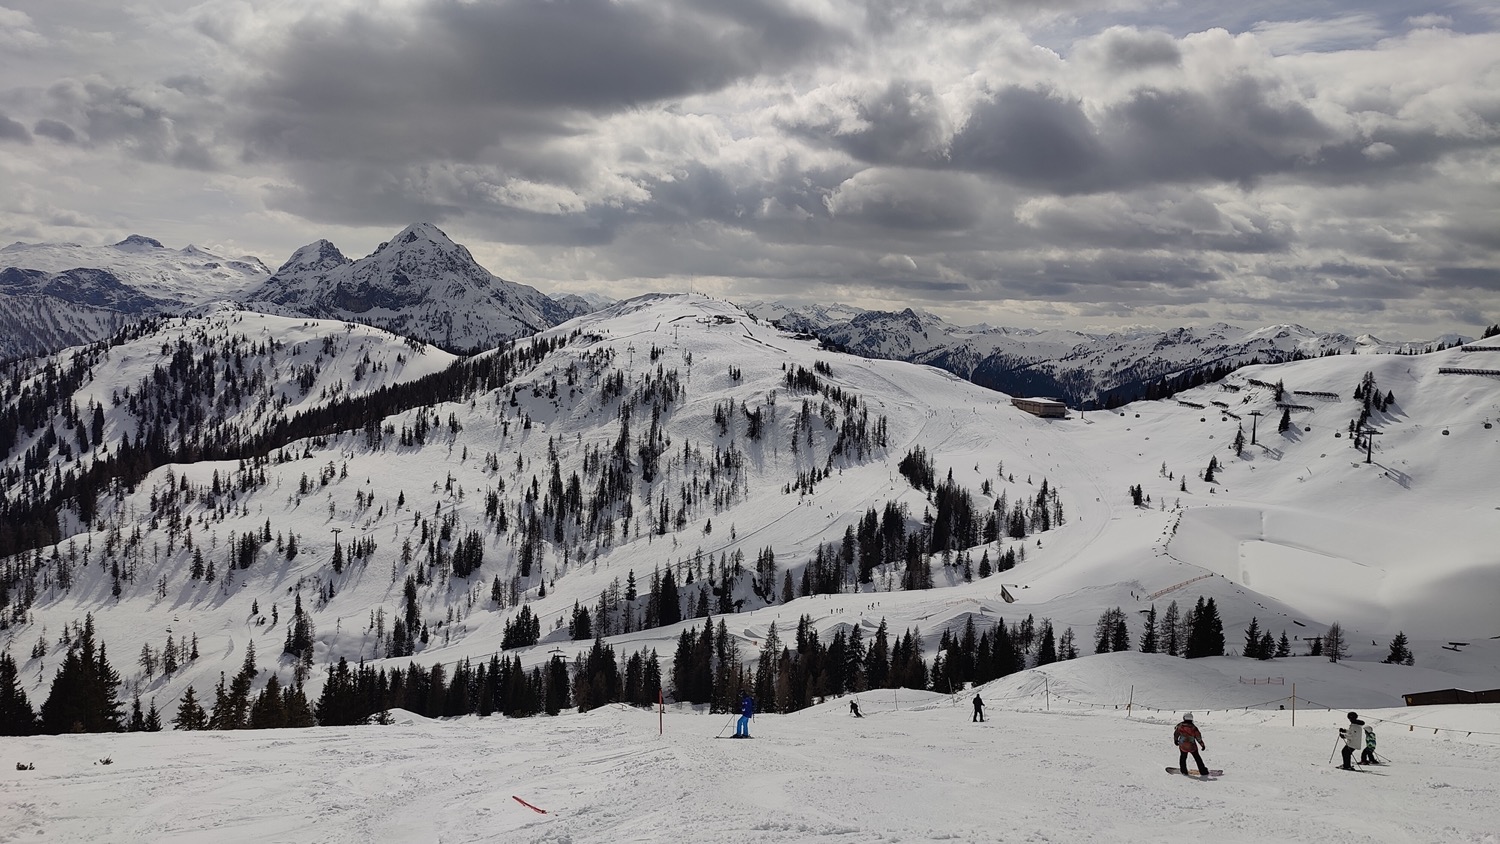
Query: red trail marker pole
x=528, y=805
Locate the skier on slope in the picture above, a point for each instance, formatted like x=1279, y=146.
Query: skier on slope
x=1354, y=739
x=1368, y=757
x=1188, y=739
x=854, y=709
x=747, y=711
x=978, y=709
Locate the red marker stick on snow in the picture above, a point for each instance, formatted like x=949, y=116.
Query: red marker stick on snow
x=528, y=805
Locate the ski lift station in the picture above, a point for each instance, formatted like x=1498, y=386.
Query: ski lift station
x=1046, y=408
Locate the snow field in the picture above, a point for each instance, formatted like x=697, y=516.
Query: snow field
x=915, y=769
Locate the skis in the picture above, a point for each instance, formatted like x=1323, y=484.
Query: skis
x=1195, y=774
x=727, y=737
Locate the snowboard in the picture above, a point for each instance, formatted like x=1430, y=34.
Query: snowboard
x=1195, y=774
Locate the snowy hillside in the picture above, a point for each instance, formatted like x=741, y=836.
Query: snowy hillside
x=38, y=325
x=419, y=284
x=670, y=469
x=1302, y=531
x=1078, y=367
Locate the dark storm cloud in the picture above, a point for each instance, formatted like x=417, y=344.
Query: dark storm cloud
x=917, y=203
x=1031, y=138
x=465, y=76
x=1472, y=278
x=1186, y=222
x=902, y=126
x=56, y=130
x=1128, y=49
x=1235, y=133
x=10, y=130
x=133, y=120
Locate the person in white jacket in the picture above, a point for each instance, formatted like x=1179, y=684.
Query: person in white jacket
x=1354, y=739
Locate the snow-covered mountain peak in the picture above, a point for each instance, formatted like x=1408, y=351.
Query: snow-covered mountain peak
x=319, y=256
x=420, y=283
x=139, y=242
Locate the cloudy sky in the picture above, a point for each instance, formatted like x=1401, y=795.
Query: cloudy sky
x=1018, y=162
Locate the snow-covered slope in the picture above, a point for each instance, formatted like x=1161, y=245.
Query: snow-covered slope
x=38, y=325
x=678, y=433
x=419, y=284
x=1040, y=768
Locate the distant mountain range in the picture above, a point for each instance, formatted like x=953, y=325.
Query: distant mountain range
x=1082, y=369
x=419, y=284
x=422, y=285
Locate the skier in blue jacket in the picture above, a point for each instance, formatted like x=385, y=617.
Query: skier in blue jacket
x=747, y=711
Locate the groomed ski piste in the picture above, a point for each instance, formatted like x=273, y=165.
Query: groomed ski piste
x=1298, y=532
x=914, y=769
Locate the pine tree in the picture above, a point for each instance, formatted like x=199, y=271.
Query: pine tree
x=1046, y=652
x=1267, y=646
x=82, y=697
x=1102, y=628
x=16, y=715
x=1286, y=421
x=1119, y=634
x=1252, y=640
x=1171, y=631
x=1067, y=646
x=190, y=714
x=169, y=657
x=153, y=718
x=1149, y=640
x=1283, y=647
x=1213, y=630
x=267, y=713
x=1400, y=654
x=1239, y=442
x=236, y=714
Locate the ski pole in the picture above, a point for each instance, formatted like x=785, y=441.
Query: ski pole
x=725, y=727
x=1336, y=743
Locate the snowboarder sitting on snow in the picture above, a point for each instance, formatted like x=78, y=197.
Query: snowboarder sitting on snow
x=1368, y=757
x=747, y=711
x=978, y=709
x=854, y=709
x=1354, y=739
x=1188, y=739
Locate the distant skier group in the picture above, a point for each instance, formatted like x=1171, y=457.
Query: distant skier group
x=1357, y=736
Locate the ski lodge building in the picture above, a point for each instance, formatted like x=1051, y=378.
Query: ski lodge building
x=1045, y=408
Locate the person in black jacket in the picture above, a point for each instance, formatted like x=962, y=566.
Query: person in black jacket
x=978, y=709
